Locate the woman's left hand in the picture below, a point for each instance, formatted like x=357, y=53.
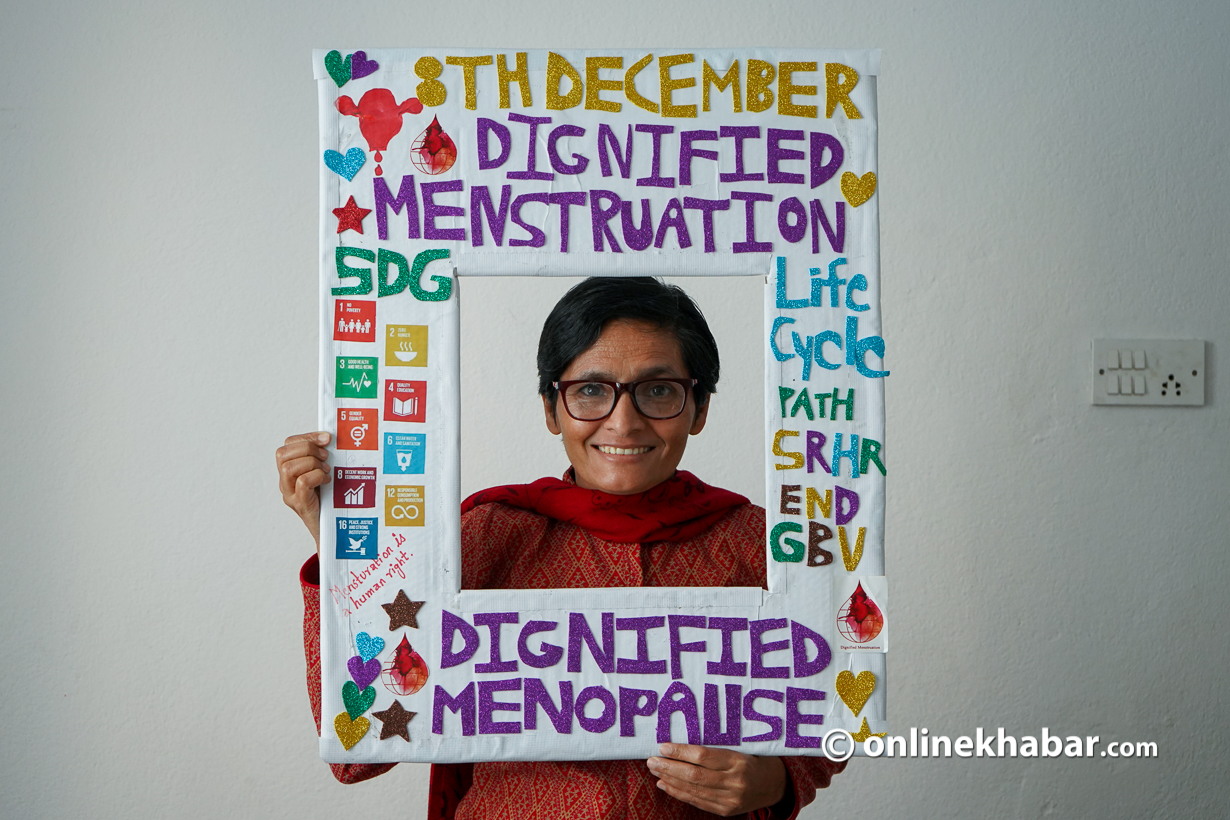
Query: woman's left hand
x=718, y=780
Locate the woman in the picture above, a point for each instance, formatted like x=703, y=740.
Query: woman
x=626, y=369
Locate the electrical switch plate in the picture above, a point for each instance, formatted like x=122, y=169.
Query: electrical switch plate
x=1148, y=372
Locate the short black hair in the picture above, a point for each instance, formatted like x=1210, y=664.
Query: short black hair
x=578, y=318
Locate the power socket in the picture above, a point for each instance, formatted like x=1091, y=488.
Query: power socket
x=1167, y=372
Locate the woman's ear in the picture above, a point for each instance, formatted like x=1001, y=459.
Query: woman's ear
x=702, y=415
x=549, y=411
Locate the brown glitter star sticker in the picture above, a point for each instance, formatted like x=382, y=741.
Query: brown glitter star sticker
x=403, y=611
x=395, y=721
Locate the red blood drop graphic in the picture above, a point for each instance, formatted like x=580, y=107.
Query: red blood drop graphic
x=433, y=151
x=407, y=672
x=379, y=172
x=859, y=619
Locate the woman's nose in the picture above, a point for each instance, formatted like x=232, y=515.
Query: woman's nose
x=624, y=416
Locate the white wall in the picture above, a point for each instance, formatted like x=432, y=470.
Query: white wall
x=1051, y=172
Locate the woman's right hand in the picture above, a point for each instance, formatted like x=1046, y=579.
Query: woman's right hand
x=302, y=468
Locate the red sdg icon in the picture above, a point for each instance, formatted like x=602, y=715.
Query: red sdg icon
x=354, y=321
x=405, y=401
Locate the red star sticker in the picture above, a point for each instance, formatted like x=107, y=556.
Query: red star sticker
x=350, y=217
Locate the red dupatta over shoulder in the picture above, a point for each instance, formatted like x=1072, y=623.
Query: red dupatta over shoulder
x=680, y=508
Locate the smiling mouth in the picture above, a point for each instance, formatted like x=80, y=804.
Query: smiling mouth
x=622, y=451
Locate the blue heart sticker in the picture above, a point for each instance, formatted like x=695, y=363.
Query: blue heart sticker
x=368, y=646
x=345, y=166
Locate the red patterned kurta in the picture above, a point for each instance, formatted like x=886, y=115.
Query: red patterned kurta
x=511, y=548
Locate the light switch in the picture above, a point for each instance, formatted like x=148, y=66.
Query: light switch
x=1145, y=372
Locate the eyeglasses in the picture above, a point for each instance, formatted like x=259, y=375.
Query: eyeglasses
x=593, y=400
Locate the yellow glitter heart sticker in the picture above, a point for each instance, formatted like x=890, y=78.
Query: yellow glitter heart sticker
x=853, y=691
x=350, y=731
x=865, y=732
x=855, y=190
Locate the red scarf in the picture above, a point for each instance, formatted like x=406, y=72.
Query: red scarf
x=680, y=508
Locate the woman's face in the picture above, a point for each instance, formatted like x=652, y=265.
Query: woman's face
x=626, y=453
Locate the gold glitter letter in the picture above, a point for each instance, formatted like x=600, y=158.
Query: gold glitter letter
x=730, y=78
x=825, y=504
x=759, y=77
x=666, y=85
x=557, y=69
x=796, y=458
x=431, y=92
x=630, y=91
x=521, y=76
x=787, y=89
x=836, y=91
x=593, y=84
x=469, y=67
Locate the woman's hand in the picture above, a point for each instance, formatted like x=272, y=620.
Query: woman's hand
x=302, y=468
x=719, y=780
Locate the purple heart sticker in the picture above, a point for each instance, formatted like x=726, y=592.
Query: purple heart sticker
x=363, y=673
x=360, y=66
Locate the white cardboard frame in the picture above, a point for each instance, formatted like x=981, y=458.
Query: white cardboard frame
x=352, y=590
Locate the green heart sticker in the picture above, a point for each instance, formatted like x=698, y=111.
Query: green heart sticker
x=357, y=702
x=338, y=68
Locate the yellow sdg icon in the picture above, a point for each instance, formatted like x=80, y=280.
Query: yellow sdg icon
x=405, y=346
x=403, y=506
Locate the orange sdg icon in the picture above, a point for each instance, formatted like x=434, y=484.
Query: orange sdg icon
x=356, y=429
x=405, y=346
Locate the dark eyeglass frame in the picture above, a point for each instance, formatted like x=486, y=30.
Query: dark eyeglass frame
x=621, y=388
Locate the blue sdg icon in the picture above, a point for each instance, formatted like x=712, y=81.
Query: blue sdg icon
x=356, y=538
x=405, y=453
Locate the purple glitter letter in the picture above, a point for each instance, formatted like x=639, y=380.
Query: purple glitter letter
x=777, y=154
x=536, y=695
x=714, y=736
x=531, y=160
x=795, y=718
x=578, y=631
x=629, y=708
x=463, y=703
x=493, y=620
x=432, y=211
x=487, y=127
x=674, y=624
x=487, y=705
x=686, y=703
x=749, y=199
x=550, y=654
x=450, y=623
x=799, y=636
x=760, y=649
x=641, y=665
x=727, y=665
x=772, y=721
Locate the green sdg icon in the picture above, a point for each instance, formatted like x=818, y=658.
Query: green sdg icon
x=356, y=377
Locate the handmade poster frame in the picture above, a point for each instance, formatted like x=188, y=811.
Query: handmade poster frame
x=440, y=163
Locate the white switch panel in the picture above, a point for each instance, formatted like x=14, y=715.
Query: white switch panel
x=1148, y=371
